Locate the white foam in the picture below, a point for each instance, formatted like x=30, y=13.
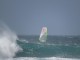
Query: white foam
x=35, y=58
x=24, y=41
x=8, y=45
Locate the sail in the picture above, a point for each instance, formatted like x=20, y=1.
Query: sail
x=43, y=35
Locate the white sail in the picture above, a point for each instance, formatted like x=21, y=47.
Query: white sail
x=43, y=35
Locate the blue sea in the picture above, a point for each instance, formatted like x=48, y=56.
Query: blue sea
x=55, y=48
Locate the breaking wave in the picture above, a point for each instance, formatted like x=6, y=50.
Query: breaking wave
x=35, y=58
x=8, y=45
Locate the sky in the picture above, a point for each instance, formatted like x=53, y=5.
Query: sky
x=27, y=17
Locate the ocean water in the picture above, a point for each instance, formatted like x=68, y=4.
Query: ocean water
x=55, y=48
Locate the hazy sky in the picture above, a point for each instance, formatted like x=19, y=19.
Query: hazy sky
x=27, y=17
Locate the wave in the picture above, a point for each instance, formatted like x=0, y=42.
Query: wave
x=23, y=40
x=35, y=58
x=8, y=45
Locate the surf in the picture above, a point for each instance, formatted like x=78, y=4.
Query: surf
x=8, y=45
x=35, y=58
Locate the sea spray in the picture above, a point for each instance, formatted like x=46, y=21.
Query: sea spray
x=8, y=45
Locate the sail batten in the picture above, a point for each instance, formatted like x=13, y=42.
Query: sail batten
x=43, y=35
